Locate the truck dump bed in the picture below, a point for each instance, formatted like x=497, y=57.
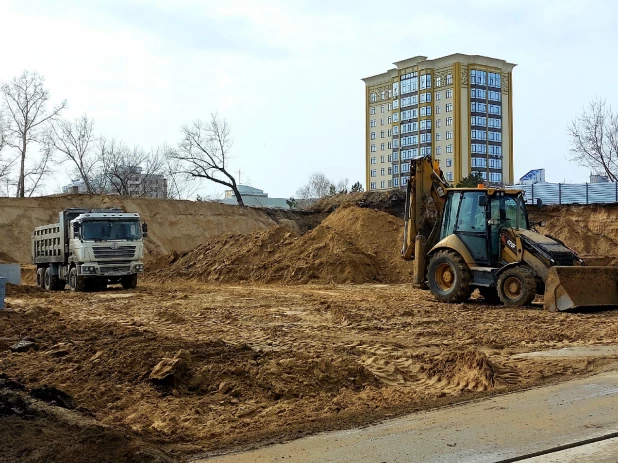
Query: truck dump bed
x=48, y=244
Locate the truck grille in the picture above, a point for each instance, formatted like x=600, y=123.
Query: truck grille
x=119, y=269
x=109, y=253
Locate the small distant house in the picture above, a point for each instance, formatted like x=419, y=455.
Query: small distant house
x=254, y=197
x=532, y=177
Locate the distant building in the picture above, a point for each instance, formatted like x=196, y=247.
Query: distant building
x=596, y=178
x=254, y=197
x=138, y=184
x=532, y=177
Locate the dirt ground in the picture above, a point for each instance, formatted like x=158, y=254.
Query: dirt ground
x=170, y=370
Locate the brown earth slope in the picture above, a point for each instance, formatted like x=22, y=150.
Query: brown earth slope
x=352, y=245
x=173, y=225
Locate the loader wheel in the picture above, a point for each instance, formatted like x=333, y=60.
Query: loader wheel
x=449, y=277
x=76, y=282
x=51, y=281
x=490, y=295
x=517, y=286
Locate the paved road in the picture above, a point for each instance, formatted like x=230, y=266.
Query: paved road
x=486, y=431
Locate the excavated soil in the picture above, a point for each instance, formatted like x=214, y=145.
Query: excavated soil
x=175, y=369
x=352, y=245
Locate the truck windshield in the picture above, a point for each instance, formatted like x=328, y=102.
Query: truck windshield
x=110, y=230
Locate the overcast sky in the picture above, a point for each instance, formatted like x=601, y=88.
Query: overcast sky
x=286, y=74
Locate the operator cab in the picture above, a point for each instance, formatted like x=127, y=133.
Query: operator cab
x=477, y=215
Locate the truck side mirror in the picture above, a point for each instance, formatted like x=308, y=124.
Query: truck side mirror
x=144, y=229
x=76, y=231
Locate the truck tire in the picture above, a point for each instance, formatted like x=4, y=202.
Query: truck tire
x=76, y=282
x=51, y=281
x=40, y=277
x=490, y=295
x=449, y=277
x=102, y=284
x=517, y=286
x=129, y=282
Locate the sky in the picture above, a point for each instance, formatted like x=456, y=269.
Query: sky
x=286, y=74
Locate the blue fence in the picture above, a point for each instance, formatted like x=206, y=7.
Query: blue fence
x=568, y=193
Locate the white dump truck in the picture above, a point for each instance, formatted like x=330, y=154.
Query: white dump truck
x=89, y=249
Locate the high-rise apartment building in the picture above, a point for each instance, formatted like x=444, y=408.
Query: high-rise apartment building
x=457, y=108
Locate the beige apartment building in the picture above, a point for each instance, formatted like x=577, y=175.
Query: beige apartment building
x=457, y=109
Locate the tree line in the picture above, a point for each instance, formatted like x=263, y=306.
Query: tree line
x=34, y=138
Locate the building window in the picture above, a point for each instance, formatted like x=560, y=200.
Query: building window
x=382, y=170
x=495, y=177
x=372, y=186
x=373, y=148
x=449, y=176
x=389, y=120
x=381, y=121
x=390, y=106
x=396, y=182
x=395, y=104
x=449, y=148
x=389, y=145
x=395, y=156
x=373, y=110
x=390, y=184
x=404, y=181
x=396, y=130
x=396, y=117
x=381, y=146
x=382, y=134
x=372, y=173
x=373, y=135
x=390, y=171
x=449, y=121
x=374, y=97
x=373, y=123
x=437, y=109
x=449, y=93
x=438, y=136
x=396, y=143
x=382, y=159
x=372, y=160
x=449, y=107
x=383, y=184
x=449, y=135
x=396, y=169
x=449, y=162
x=389, y=133
x=425, y=97
x=494, y=79
x=439, y=150
x=449, y=79
x=438, y=123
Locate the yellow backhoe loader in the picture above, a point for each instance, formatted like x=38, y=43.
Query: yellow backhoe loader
x=461, y=239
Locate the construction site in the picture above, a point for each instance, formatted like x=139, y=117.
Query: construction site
x=253, y=326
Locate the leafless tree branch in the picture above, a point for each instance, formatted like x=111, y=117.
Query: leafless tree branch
x=204, y=152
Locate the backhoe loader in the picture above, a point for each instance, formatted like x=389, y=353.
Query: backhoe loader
x=461, y=239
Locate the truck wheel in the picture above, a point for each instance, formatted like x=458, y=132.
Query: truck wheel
x=129, y=282
x=40, y=277
x=51, y=281
x=102, y=284
x=517, y=286
x=449, y=277
x=76, y=283
x=490, y=295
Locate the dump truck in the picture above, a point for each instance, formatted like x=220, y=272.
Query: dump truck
x=87, y=249
x=462, y=239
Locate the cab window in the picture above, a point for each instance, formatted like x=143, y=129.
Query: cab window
x=472, y=216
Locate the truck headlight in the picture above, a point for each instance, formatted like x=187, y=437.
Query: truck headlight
x=138, y=268
x=89, y=269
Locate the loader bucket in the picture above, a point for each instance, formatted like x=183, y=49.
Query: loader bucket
x=579, y=287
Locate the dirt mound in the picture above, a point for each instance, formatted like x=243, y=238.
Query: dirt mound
x=391, y=201
x=21, y=290
x=352, y=245
x=458, y=371
x=6, y=259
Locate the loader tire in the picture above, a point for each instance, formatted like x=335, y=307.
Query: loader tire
x=449, y=277
x=517, y=286
x=490, y=295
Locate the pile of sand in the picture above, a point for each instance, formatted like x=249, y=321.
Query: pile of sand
x=352, y=245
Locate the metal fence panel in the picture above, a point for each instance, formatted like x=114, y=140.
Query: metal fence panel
x=566, y=193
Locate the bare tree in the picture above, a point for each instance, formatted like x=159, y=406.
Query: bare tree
x=26, y=100
x=204, y=152
x=75, y=140
x=179, y=184
x=317, y=187
x=42, y=168
x=131, y=171
x=594, y=139
x=5, y=165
